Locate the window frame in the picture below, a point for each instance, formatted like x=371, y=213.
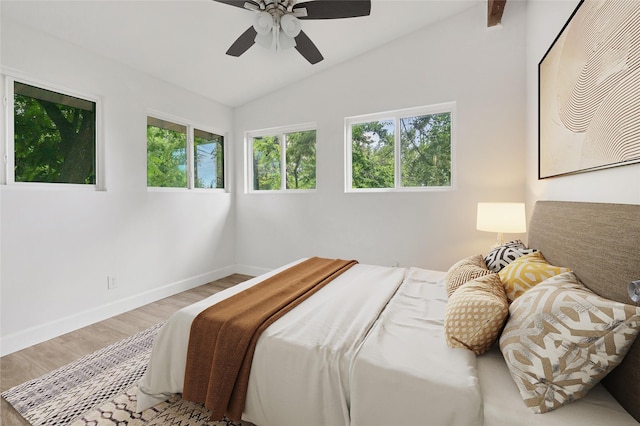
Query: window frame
x=9, y=145
x=275, y=131
x=395, y=116
x=190, y=144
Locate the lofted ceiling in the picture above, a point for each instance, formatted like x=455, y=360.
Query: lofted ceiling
x=184, y=42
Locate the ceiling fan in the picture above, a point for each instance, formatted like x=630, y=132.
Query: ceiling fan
x=277, y=23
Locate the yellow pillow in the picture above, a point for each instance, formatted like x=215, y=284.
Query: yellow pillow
x=476, y=313
x=525, y=272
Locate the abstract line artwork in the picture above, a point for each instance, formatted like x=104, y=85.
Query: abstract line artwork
x=589, y=91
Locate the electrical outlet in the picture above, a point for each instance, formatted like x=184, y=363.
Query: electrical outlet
x=112, y=282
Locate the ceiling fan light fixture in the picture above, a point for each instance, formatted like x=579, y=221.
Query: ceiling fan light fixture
x=263, y=23
x=265, y=40
x=285, y=42
x=290, y=25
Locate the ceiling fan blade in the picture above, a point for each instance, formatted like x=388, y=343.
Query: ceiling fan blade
x=243, y=43
x=334, y=9
x=238, y=3
x=305, y=46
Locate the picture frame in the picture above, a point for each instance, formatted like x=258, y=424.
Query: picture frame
x=588, y=91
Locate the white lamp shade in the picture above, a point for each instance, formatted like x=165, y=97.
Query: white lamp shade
x=508, y=218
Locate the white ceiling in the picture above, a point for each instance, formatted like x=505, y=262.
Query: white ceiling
x=184, y=41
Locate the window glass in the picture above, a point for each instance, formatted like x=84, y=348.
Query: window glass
x=283, y=159
x=372, y=154
x=426, y=150
x=266, y=163
x=54, y=137
x=398, y=150
x=208, y=154
x=301, y=159
x=166, y=154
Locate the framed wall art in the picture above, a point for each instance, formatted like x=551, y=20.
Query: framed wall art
x=589, y=91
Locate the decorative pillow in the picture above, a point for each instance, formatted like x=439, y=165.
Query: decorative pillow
x=502, y=255
x=562, y=339
x=525, y=272
x=464, y=271
x=475, y=314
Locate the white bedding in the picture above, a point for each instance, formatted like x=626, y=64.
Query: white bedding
x=377, y=357
x=302, y=367
x=405, y=374
x=504, y=406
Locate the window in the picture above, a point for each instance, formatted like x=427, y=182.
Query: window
x=53, y=136
x=183, y=156
x=208, y=154
x=166, y=154
x=399, y=150
x=283, y=159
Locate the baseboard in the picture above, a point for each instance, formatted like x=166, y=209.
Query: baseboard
x=38, y=334
x=254, y=271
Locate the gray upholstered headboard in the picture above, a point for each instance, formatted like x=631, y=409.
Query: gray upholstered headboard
x=601, y=244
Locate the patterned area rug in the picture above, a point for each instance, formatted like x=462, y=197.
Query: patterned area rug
x=100, y=389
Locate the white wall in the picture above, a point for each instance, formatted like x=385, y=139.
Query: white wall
x=545, y=19
x=459, y=60
x=59, y=246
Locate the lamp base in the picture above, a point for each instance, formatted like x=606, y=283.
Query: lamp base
x=499, y=240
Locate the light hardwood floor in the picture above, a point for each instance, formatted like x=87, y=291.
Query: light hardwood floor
x=45, y=357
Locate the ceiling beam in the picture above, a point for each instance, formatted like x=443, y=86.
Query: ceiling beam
x=495, y=8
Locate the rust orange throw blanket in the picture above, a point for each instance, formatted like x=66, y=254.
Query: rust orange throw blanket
x=223, y=337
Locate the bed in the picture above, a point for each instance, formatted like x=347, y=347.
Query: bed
x=383, y=359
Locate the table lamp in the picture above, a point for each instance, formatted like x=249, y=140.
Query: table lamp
x=503, y=218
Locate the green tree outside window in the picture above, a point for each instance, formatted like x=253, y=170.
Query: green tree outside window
x=424, y=152
x=295, y=150
x=54, y=137
x=166, y=154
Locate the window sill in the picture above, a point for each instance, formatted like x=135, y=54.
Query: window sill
x=399, y=190
x=41, y=186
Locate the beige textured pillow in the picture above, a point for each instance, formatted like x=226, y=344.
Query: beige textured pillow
x=475, y=314
x=525, y=272
x=562, y=339
x=464, y=271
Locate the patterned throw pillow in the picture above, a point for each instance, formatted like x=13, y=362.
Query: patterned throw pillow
x=562, y=339
x=475, y=314
x=502, y=255
x=525, y=272
x=464, y=271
